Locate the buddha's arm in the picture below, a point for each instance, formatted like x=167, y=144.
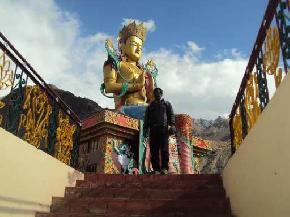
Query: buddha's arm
x=111, y=84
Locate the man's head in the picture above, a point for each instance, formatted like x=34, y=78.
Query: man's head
x=158, y=93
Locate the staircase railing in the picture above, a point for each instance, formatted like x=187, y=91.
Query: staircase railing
x=31, y=110
x=265, y=67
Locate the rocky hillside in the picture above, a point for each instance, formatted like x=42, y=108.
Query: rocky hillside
x=217, y=130
x=215, y=163
x=217, y=134
x=83, y=107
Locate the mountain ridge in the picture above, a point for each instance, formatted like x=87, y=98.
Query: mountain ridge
x=217, y=129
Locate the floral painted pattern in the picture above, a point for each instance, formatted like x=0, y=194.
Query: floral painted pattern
x=111, y=165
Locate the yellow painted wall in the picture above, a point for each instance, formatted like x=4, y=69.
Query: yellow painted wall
x=29, y=177
x=257, y=177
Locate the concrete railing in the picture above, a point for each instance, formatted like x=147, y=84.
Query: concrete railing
x=29, y=177
x=257, y=176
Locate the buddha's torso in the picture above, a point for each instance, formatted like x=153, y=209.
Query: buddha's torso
x=132, y=74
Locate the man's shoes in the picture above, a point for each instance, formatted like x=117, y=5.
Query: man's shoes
x=164, y=172
x=153, y=172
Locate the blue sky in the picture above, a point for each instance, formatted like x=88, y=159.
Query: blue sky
x=201, y=48
x=213, y=24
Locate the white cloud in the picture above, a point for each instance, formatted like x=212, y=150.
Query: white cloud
x=50, y=40
x=233, y=53
x=149, y=24
x=194, y=48
x=198, y=88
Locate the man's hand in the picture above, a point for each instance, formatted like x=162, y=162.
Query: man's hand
x=145, y=133
x=172, y=130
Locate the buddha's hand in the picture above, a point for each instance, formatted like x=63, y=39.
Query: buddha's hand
x=135, y=87
x=139, y=84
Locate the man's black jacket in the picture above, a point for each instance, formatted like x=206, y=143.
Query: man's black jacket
x=159, y=114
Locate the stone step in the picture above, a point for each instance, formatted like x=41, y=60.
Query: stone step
x=139, y=206
x=160, y=214
x=161, y=184
x=143, y=196
x=140, y=178
x=133, y=193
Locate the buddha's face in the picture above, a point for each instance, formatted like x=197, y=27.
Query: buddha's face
x=133, y=48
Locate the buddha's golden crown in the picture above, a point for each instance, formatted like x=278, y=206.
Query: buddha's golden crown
x=133, y=29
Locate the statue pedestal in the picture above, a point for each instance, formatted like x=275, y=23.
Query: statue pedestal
x=99, y=134
x=108, y=129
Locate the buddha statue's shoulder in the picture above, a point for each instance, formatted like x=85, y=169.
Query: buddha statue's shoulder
x=113, y=63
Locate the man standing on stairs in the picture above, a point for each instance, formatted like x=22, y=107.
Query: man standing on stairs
x=159, y=121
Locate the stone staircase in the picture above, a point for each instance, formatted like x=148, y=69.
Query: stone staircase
x=143, y=195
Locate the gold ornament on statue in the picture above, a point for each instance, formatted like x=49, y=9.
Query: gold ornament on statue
x=109, y=42
x=151, y=66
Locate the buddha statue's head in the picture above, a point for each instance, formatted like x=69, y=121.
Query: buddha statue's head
x=131, y=39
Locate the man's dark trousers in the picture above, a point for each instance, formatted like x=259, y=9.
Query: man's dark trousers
x=159, y=141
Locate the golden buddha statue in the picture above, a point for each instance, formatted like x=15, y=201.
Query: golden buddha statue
x=130, y=82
